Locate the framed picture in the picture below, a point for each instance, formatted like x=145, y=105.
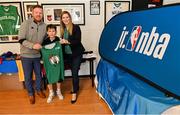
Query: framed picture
x=115, y=7
x=52, y=13
x=28, y=6
x=10, y=20
x=94, y=7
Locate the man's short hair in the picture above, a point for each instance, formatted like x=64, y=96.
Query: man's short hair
x=37, y=6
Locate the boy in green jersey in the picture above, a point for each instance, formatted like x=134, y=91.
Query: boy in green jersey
x=53, y=61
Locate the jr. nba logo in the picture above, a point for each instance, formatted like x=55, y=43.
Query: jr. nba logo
x=133, y=38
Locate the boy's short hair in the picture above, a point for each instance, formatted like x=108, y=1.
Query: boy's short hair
x=51, y=26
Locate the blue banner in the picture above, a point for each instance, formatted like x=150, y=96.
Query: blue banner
x=146, y=42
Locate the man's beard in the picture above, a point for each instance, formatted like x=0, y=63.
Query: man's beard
x=37, y=21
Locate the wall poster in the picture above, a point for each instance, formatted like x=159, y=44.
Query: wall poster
x=52, y=13
x=10, y=20
x=114, y=7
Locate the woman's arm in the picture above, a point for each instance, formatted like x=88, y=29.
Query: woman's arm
x=75, y=38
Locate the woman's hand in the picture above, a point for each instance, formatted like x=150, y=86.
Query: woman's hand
x=67, y=42
x=63, y=41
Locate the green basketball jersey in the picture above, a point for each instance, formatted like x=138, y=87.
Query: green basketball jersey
x=9, y=20
x=53, y=62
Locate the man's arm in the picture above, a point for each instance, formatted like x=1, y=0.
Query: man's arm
x=23, y=31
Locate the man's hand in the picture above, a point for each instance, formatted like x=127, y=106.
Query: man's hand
x=37, y=46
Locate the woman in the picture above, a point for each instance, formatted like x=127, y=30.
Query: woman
x=72, y=48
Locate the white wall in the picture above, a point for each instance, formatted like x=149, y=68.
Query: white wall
x=170, y=1
x=91, y=31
